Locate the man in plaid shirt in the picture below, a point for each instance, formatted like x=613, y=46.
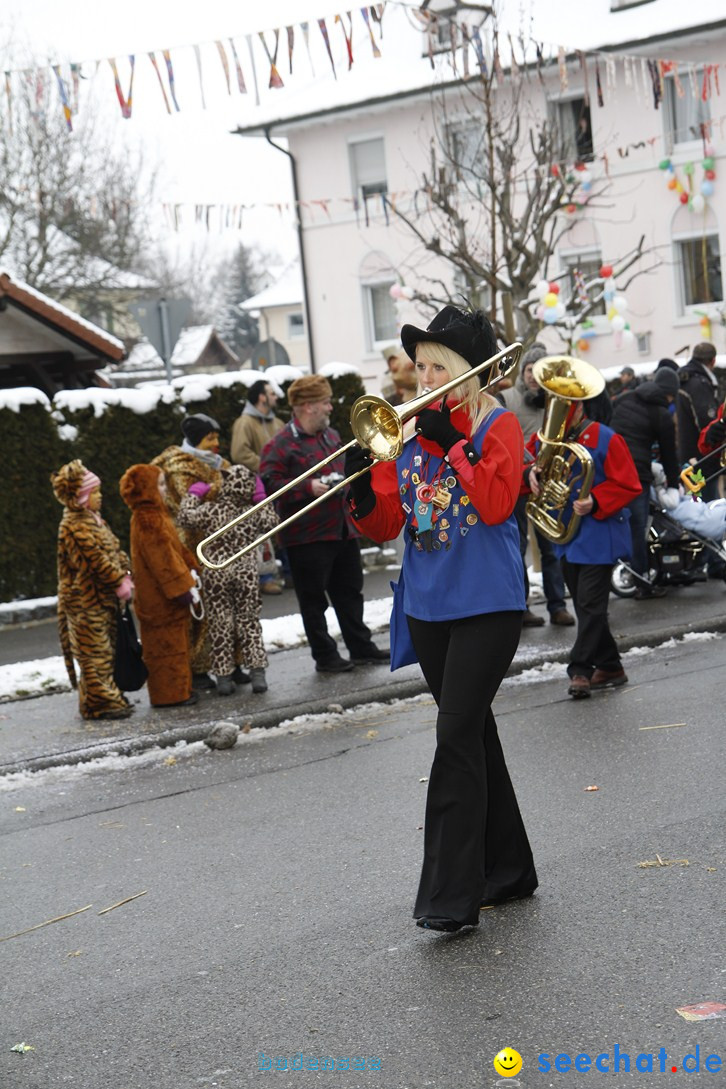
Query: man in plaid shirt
x=322, y=545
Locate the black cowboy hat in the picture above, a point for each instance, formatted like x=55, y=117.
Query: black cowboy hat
x=467, y=332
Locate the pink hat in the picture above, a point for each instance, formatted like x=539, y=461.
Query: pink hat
x=88, y=483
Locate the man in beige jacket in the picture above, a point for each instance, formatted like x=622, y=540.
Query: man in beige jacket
x=251, y=431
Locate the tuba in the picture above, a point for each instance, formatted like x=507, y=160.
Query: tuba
x=562, y=465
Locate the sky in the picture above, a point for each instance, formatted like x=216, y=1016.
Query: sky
x=200, y=161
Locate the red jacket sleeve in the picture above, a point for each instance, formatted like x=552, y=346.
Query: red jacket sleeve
x=493, y=483
x=621, y=484
x=704, y=446
x=386, y=520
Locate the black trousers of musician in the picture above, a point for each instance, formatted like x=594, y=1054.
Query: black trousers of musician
x=475, y=845
x=595, y=648
x=330, y=572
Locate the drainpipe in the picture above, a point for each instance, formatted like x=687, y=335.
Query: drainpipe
x=301, y=247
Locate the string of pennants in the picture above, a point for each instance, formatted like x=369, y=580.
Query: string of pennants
x=598, y=71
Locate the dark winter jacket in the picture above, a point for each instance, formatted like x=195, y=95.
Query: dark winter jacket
x=697, y=405
x=641, y=416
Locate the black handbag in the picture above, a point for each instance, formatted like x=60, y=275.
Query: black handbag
x=129, y=671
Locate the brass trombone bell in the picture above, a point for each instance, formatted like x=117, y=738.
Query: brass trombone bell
x=378, y=428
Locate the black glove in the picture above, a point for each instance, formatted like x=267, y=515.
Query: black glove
x=437, y=426
x=716, y=433
x=361, y=490
x=183, y=599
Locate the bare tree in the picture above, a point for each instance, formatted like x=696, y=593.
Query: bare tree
x=502, y=189
x=73, y=207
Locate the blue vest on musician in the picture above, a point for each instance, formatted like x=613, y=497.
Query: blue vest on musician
x=598, y=540
x=473, y=568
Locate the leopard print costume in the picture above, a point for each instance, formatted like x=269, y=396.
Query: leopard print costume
x=231, y=596
x=91, y=564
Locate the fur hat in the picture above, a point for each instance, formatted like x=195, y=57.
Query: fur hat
x=534, y=353
x=667, y=380
x=67, y=483
x=194, y=428
x=140, y=484
x=467, y=332
x=309, y=388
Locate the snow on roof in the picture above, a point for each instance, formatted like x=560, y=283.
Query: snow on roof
x=287, y=290
x=67, y=317
x=22, y=395
x=144, y=358
x=404, y=66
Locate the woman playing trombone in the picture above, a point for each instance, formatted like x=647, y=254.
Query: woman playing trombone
x=454, y=488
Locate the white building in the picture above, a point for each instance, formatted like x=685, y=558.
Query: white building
x=281, y=317
x=357, y=160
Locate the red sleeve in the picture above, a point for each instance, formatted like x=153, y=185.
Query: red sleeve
x=386, y=520
x=494, y=482
x=704, y=446
x=621, y=484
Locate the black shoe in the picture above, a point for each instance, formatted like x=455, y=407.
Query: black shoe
x=334, y=665
x=372, y=656
x=447, y=926
x=225, y=685
x=240, y=677
x=643, y=592
x=194, y=698
x=202, y=681
x=259, y=681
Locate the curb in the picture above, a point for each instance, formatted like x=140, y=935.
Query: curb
x=383, y=693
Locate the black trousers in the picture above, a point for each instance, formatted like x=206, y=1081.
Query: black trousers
x=475, y=845
x=595, y=648
x=330, y=572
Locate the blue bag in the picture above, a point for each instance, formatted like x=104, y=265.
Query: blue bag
x=402, y=650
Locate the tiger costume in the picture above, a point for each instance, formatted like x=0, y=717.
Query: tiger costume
x=91, y=568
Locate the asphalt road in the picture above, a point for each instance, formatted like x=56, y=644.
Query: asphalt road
x=279, y=880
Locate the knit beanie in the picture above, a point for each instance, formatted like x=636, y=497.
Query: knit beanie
x=89, y=481
x=194, y=428
x=309, y=388
x=667, y=380
x=534, y=353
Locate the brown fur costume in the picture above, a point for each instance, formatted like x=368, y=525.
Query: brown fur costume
x=161, y=573
x=231, y=596
x=182, y=469
x=91, y=565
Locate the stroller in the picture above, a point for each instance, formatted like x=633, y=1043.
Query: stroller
x=677, y=556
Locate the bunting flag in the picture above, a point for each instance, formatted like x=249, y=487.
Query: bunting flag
x=238, y=68
x=348, y=36
x=581, y=290
x=598, y=85
x=585, y=84
x=9, y=96
x=250, y=50
x=225, y=64
x=479, y=50
x=371, y=35
x=465, y=49
x=562, y=62
x=170, y=76
x=377, y=13
x=75, y=84
x=326, y=39
x=124, y=102
x=290, y=45
x=275, y=79
x=153, y=60
x=198, y=55
x=63, y=92
x=305, y=27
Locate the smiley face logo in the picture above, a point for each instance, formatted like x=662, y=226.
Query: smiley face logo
x=508, y=1062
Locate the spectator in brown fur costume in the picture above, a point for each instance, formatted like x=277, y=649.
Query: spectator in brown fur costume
x=93, y=575
x=197, y=458
x=162, y=566
x=231, y=596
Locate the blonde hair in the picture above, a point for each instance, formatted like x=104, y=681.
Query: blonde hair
x=469, y=395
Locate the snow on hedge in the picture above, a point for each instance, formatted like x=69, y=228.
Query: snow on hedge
x=14, y=399
x=337, y=370
x=139, y=401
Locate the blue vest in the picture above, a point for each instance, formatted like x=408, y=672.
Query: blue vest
x=472, y=568
x=598, y=540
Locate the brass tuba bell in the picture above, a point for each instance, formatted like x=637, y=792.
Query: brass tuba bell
x=562, y=465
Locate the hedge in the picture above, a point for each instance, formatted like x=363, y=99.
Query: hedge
x=109, y=430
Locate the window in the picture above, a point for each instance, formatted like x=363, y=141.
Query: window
x=571, y=116
x=582, y=268
x=470, y=291
x=465, y=146
x=642, y=342
x=295, y=326
x=685, y=114
x=699, y=265
x=368, y=167
x=381, y=319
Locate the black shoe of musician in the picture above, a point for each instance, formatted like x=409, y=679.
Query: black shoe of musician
x=446, y=926
x=372, y=656
x=334, y=665
x=643, y=592
x=240, y=677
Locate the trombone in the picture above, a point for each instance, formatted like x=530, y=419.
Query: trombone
x=378, y=428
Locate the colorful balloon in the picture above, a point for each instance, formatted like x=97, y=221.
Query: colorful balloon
x=707, y=187
x=606, y=271
x=550, y=299
x=698, y=204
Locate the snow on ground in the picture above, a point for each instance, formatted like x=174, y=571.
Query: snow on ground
x=42, y=676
